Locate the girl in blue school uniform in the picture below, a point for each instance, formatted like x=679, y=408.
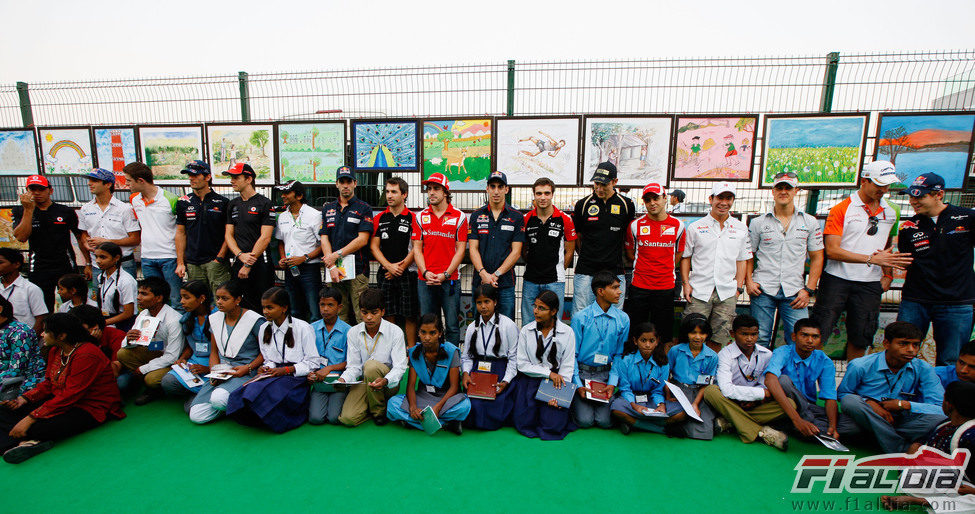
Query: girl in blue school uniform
x=194, y=296
x=642, y=371
x=490, y=346
x=325, y=400
x=435, y=364
x=116, y=291
x=278, y=398
x=693, y=365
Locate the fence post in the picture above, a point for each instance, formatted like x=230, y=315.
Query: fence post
x=511, y=87
x=25, y=111
x=825, y=105
x=245, y=97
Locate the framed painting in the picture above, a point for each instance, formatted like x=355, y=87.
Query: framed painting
x=18, y=152
x=310, y=152
x=715, y=148
x=639, y=146
x=460, y=149
x=823, y=150
x=385, y=145
x=930, y=141
x=66, y=150
x=527, y=148
x=114, y=148
x=7, y=239
x=250, y=143
x=167, y=149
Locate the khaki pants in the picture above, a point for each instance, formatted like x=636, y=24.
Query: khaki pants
x=213, y=273
x=137, y=356
x=747, y=422
x=351, y=289
x=719, y=313
x=363, y=400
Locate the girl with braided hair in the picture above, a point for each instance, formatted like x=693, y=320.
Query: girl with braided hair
x=490, y=346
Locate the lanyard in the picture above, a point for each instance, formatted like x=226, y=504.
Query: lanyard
x=484, y=339
x=375, y=342
x=105, y=286
x=274, y=340
x=11, y=293
x=226, y=333
x=892, y=387
x=749, y=377
x=541, y=342
x=326, y=337
x=643, y=378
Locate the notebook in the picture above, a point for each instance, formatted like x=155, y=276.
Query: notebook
x=563, y=396
x=482, y=386
x=430, y=422
x=597, y=397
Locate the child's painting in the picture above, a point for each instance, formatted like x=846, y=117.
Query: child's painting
x=820, y=150
x=311, y=152
x=460, y=149
x=385, y=145
x=66, y=151
x=715, y=148
x=7, y=239
x=638, y=146
x=166, y=150
x=18, y=152
x=922, y=143
x=114, y=148
x=527, y=149
x=245, y=143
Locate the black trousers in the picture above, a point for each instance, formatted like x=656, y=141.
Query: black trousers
x=656, y=306
x=260, y=279
x=48, y=282
x=860, y=300
x=72, y=422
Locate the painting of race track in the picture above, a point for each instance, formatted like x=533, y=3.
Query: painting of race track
x=715, y=148
x=385, y=145
x=823, y=151
x=247, y=143
x=18, y=152
x=166, y=150
x=311, y=152
x=919, y=143
x=460, y=149
x=66, y=151
x=638, y=146
x=530, y=148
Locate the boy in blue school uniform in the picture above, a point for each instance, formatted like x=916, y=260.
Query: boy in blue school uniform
x=963, y=368
x=794, y=373
x=600, y=330
x=893, y=394
x=325, y=403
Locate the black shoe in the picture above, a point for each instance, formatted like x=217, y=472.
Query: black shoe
x=675, y=430
x=150, y=395
x=380, y=420
x=26, y=450
x=455, y=427
x=625, y=428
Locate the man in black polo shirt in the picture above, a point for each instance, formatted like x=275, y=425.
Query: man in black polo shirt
x=249, y=230
x=550, y=241
x=497, y=233
x=346, y=227
x=601, y=220
x=201, y=222
x=46, y=226
x=392, y=246
x=940, y=284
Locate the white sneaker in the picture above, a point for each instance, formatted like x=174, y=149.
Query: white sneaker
x=774, y=438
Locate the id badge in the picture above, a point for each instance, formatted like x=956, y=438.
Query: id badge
x=703, y=380
x=600, y=358
x=202, y=347
x=484, y=366
x=641, y=398
x=431, y=389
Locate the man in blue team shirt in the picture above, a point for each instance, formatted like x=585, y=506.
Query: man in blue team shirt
x=794, y=373
x=346, y=229
x=601, y=330
x=497, y=233
x=963, y=369
x=892, y=393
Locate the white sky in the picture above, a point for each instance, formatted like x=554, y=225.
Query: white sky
x=96, y=39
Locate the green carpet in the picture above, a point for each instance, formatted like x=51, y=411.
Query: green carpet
x=156, y=460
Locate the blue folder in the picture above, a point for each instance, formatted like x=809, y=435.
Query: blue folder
x=547, y=391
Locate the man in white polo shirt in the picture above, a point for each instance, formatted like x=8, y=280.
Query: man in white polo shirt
x=713, y=263
x=860, y=262
x=105, y=218
x=155, y=208
x=300, y=250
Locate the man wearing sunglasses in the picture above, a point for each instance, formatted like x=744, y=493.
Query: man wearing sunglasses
x=858, y=236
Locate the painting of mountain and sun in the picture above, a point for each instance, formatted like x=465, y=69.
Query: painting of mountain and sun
x=922, y=142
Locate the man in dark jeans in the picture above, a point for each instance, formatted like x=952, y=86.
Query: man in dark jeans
x=299, y=250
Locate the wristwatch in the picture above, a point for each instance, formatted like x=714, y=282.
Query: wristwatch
x=741, y=290
x=812, y=292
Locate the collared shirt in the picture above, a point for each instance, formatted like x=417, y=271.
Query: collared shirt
x=205, y=223
x=560, y=340
x=544, y=249
x=655, y=246
x=20, y=354
x=342, y=226
x=395, y=235
x=331, y=344
x=743, y=378
x=115, y=222
x=780, y=254
x=68, y=305
x=601, y=226
x=805, y=373
x=941, y=272
x=158, y=221
x=388, y=347
x=26, y=298
x=947, y=374
x=50, y=237
x=494, y=238
x=849, y=220
x=115, y=291
x=300, y=234
x=715, y=253
x=440, y=236
x=488, y=333
x=303, y=355
x=599, y=337
x=248, y=218
x=870, y=377
x=169, y=332
x=639, y=376
x=688, y=369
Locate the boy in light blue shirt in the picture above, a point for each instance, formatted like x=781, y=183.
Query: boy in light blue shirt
x=330, y=337
x=962, y=369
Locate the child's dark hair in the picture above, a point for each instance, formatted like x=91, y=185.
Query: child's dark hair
x=902, y=330
x=14, y=256
x=428, y=319
x=371, y=299
x=330, y=292
x=806, y=323
x=490, y=292
x=110, y=248
x=659, y=353
x=6, y=310
x=89, y=315
x=744, y=321
x=233, y=287
x=961, y=395
x=61, y=323
x=550, y=299
x=74, y=282
x=278, y=296
x=157, y=286
x=691, y=322
x=967, y=348
x=113, y=250
x=198, y=289
x=602, y=279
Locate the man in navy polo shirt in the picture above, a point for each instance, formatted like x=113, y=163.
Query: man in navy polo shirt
x=346, y=228
x=201, y=222
x=940, y=284
x=250, y=226
x=497, y=233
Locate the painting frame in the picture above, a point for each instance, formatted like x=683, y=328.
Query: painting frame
x=861, y=152
x=624, y=180
x=120, y=181
x=354, y=124
x=458, y=185
x=218, y=177
x=41, y=148
x=281, y=126
x=751, y=163
x=36, y=153
x=968, y=155
x=513, y=179
x=180, y=180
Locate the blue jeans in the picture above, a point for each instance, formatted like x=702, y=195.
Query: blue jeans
x=303, y=290
x=446, y=296
x=582, y=295
x=531, y=290
x=952, y=326
x=506, y=299
x=166, y=269
x=763, y=309
x=907, y=428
